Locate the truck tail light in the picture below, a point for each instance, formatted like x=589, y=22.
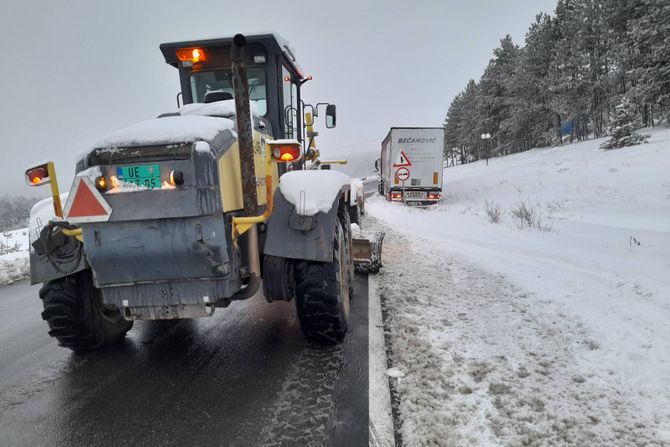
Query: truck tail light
x=434, y=195
x=285, y=151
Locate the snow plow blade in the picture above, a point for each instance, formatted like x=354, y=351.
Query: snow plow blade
x=368, y=253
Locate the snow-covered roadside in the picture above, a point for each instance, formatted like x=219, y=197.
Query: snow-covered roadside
x=581, y=289
x=14, y=265
x=488, y=363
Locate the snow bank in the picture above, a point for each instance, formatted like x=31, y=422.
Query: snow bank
x=218, y=108
x=591, y=290
x=578, y=183
x=312, y=192
x=14, y=262
x=168, y=130
x=14, y=270
x=13, y=242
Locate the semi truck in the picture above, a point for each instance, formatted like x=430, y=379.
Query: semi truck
x=182, y=214
x=410, y=165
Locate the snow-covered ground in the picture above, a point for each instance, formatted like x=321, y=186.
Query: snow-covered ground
x=14, y=263
x=557, y=333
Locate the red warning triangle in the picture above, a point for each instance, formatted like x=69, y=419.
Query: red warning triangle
x=85, y=203
x=403, y=160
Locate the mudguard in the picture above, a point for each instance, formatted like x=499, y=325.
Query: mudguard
x=290, y=235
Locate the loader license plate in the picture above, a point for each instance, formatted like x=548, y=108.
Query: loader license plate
x=148, y=176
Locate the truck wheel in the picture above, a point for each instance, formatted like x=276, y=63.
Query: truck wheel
x=76, y=316
x=322, y=295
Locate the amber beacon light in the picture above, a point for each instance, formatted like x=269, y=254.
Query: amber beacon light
x=193, y=55
x=285, y=151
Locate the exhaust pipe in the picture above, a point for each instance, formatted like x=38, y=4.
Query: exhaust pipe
x=247, y=166
x=244, y=126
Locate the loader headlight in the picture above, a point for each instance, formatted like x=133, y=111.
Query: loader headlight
x=101, y=183
x=176, y=178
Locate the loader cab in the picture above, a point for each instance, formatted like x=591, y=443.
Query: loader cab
x=273, y=72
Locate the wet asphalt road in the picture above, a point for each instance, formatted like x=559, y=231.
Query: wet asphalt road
x=244, y=377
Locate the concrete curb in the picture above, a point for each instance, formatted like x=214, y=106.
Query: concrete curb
x=381, y=416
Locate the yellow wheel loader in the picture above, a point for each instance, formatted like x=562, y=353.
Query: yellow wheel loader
x=176, y=216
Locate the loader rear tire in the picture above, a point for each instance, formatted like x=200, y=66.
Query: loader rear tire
x=322, y=294
x=348, y=245
x=76, y=315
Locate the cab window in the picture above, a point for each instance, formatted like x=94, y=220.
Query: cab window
x=290, y=109
x=221, y=81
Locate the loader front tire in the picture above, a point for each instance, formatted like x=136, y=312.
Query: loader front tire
x=322, y=294
x=76, y=315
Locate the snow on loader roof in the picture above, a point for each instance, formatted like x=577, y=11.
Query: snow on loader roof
x=168, y=130
x=195, y=122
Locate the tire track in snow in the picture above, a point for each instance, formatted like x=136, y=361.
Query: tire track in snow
x=306, y=401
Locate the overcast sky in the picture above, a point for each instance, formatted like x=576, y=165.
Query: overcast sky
x=76, y=70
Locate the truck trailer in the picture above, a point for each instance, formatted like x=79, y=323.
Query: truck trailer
x=410, y=166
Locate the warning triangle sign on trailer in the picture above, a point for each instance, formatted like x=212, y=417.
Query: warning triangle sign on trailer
x=85, y=203
x=402, y=160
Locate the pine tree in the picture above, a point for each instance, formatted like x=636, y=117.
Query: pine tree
x=534, y=82
x=622, y=126
x=572, y=75
x=496, y=98
x=649, y=35
x=452, y=124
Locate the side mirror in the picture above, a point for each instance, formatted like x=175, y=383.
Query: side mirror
x=331, y=115
x=377, y=165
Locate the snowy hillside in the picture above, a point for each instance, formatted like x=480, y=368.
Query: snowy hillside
x=13, y=256
x=551, y=325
